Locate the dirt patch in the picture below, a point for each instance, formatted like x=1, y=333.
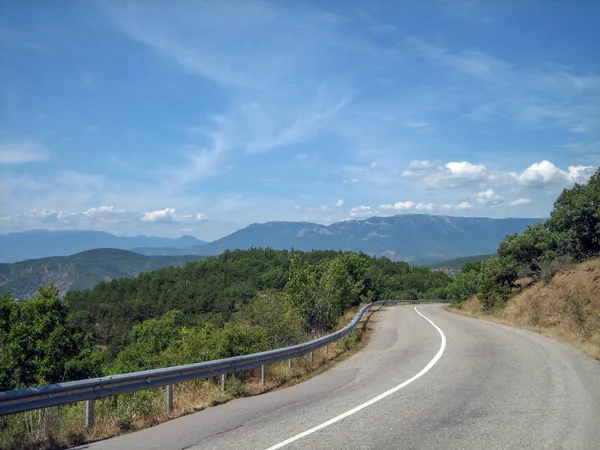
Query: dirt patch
x=567, y=307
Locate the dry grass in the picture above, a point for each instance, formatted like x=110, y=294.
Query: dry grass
x=64, y=426
x=567, y=307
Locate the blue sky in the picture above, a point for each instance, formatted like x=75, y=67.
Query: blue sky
x=182, y=117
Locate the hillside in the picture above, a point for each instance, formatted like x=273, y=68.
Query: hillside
x=418, y=238
x=454, y=266
x=44, y=243
x=80, y=271
x=567, y=307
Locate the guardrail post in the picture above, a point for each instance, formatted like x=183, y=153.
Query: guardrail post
x=223, y=382
x=262, y=376
x=169, y=389
x=311, y=357
x=290, y=363
x=327, y=351
x=89, y=413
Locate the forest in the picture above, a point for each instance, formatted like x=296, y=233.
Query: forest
x=240, y=302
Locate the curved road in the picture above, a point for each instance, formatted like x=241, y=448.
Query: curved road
x=487, y=386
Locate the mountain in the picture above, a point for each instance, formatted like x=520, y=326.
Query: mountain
x=43, y=243
x=80, y=271
x=419, y=238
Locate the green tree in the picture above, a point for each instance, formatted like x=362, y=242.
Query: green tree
x=271, y=311
x=576, y=219
x=464, y=286
x=498, y=278
x=36, y=346
x=148, y=340
x=531, y=251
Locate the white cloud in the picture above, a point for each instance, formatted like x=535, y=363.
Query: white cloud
x=545, y=172
x=107, y=215
x=399, y=206
x=420, y=206
x=488, y=198
x=103, y=211
x=339, y=203
x=425, y=207
x=463, y=206
x=359, y=211
x=465, y=169
x=169, y=215
x=41, y=217
x=13, y=154
x=433, y=175
x=520, y=202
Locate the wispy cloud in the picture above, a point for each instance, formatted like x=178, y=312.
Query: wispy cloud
x=534, y=95
x=21, y=153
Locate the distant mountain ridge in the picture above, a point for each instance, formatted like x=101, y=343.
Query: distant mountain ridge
x=80, y=271
x=45, y=243
x=419, y=238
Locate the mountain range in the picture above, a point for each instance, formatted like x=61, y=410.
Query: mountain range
x=80, y=271
x=418, y=238
x=44, y=243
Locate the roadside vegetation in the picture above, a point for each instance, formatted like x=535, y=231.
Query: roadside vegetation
x=547, y=278
x=237, y=303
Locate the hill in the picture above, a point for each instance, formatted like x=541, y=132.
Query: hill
x=566, y=307
x=80, y=271
x=454, y=266
x=43, y=243
x=417, y=238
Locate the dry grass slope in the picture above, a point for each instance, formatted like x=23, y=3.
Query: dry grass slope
x=567, y=307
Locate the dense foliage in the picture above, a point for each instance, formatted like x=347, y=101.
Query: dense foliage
x=571, y=234
x=37, y=346
x=80, y=271
x=239, y=302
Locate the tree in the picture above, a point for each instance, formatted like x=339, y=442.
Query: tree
x=36, y=345
x=464, y=286
x=576, y=219
x=530, y=251
x=148, y=340
x=270, y=311
x=498, y=278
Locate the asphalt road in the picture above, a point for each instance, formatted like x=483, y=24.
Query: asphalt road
x=487, y=386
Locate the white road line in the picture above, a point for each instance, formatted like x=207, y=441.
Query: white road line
x=423, y=371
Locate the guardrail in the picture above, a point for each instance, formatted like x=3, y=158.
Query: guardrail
x=95, y=388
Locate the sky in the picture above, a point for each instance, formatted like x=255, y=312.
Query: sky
x=199, y=118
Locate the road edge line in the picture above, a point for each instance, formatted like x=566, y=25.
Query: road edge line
x=374, y=400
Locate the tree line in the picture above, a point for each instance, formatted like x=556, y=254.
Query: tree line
x=240, y=302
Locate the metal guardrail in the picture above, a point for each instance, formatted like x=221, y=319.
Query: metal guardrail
x=95, y=388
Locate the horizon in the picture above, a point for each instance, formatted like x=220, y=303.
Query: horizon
x=167, y=119
x=263, y=223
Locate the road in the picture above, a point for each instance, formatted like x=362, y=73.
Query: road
x=468, y=385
